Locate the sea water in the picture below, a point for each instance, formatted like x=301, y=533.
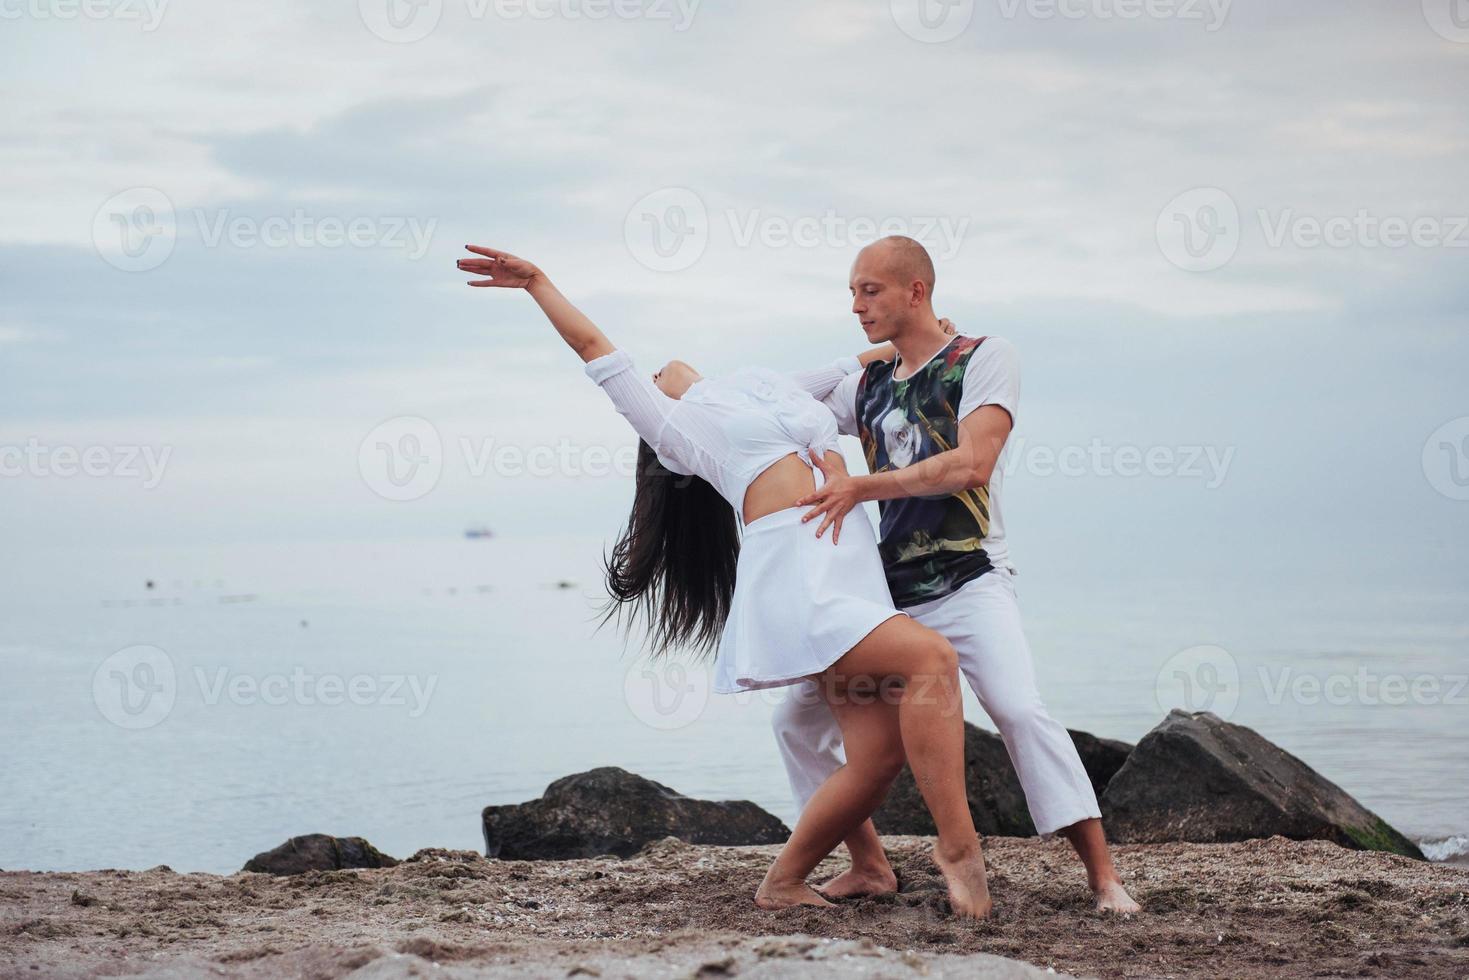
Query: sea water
x=192, y=707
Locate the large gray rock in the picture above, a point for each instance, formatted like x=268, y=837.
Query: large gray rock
x=995, y=797
x=1201, y=779
x=613, y=811
x=319, y=852
x=1101, y=757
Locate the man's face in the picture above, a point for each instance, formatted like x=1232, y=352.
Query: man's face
x=881, y=301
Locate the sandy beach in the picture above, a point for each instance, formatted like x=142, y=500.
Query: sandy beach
x=1266, y=908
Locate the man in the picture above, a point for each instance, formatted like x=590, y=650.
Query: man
x=933, y=423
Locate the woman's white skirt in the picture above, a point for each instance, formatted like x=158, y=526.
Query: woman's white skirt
x=800, y=602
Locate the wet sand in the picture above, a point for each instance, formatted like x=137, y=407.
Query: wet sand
x=1269, y=908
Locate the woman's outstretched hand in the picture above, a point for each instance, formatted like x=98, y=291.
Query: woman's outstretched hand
x=512, y=272
x=500, y=269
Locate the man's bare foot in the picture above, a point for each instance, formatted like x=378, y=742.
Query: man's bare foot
x=852, y=883
x=969, y=891
x=1112, y=897
x=770, y=897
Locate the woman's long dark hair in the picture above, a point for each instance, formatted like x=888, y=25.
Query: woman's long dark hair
x=674, y=565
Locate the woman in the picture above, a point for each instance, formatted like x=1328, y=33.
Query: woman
x=782, y=604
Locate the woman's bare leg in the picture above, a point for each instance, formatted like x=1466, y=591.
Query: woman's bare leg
x=930, y=727
x=874, y=748
x=870, y=873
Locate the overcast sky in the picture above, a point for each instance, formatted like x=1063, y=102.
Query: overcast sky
x=1234, y=236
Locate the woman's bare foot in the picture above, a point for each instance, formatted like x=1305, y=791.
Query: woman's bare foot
x=852, y=883
x=1112, y=897
x=969, y=891
x=771, y=896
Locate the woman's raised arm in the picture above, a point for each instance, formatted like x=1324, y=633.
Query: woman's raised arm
x=506, y=271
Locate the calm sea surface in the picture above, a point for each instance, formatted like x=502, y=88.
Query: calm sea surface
x=391, y=689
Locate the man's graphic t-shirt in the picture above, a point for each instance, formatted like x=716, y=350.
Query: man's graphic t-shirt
x=931, y=546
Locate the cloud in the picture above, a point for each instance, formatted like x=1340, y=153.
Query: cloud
x=1047, y=147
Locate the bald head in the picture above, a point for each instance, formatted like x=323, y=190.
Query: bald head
x=892, y=290
x=902, y=259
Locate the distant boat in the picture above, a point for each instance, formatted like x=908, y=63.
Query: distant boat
x=478, y=532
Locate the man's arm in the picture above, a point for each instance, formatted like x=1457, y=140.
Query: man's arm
x=884, y=353
x=982, y=436
x=991, y=392
x=821, y=382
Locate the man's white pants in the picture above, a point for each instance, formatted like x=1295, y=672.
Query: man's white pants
x=982, y=621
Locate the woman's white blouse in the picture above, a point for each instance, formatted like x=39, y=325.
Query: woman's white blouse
x=727, y=430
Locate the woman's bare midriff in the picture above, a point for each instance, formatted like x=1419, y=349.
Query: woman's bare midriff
x=784, y=482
